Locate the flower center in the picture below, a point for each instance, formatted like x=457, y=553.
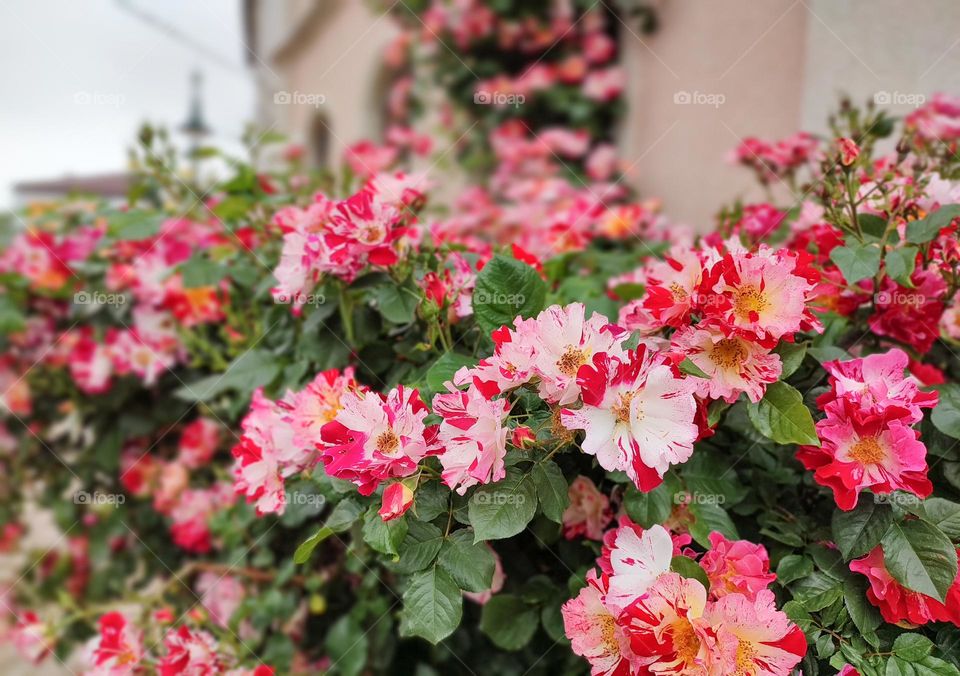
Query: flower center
x=571, y=361
x=746, y=658
x=685, y=641
x=621, y=409
x=868, y=451
x=372, y=233
x=387, y=442
x=679, y=293
x=728, y=352
x=749, y=301
x=608, y=633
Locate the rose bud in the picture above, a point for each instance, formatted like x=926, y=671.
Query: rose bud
x=523, y=437
x=397, y=498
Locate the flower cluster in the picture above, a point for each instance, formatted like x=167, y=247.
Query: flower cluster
x=638, y=616
x=867, y=439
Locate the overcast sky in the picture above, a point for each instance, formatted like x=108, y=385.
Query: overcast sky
x=78, y=78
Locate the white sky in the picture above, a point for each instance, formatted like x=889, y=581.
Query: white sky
x=77, y=78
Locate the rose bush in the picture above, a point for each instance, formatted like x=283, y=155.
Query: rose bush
x=296, y=422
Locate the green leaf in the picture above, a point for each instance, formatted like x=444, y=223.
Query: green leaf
x=925, y=229
x=920, y=557
x=859, y=530
x=199, y=270
x=506, y=288
x=344, y=515
x=912, y=647
x=419, y=548
x=246, y=373
x=470, y=564
x=900, y=264
x=134, y=224
x=857, y=261
x=503, y=509
x=864, y=615
x=687, y=366
x=943, y=514
x=783, y=417
x=508, y=621
x=687, y=567
x=445, y=367
x=791, y=356
x=817, y=591
x=432, y=606
x=946, y=415
x=347, y=646
x=384, y=536
x=793, y=567
x=709, y=517
x=397, y=304
x=303, y=552
x=872, y=225
x=11, y=319
x=551, y=489
x=650, y=508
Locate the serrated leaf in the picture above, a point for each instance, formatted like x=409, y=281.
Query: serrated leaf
x=864, y=615
x=506, y=288
x=432, y=606
x=397, y=304
x=246, y=373
x=470, y=564
x=687, y=366
x=943, y=514
x=920, y=557
x=925, y=229
x=384, y=536
x=900, y=264
x=650, y=508
x=859, y=530
x=792, y=568
x=445, y=367
x=791, y=357
x=503, y=509
x=708, y=518
x=419, y=548
x=783, y=417
x=856, y=261
x=552, y=490
x=946, y=415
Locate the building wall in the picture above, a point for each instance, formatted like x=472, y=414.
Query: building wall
x=712, y=74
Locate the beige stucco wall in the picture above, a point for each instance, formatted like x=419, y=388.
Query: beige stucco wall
x=749, y=53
